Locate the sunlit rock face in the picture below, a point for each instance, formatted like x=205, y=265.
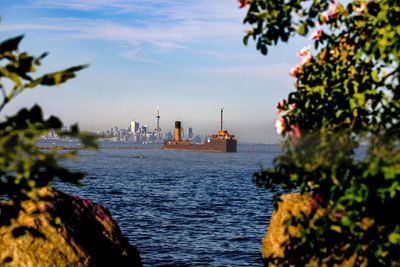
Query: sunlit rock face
x=67, y=231
x=290, y=204
x=275, y=236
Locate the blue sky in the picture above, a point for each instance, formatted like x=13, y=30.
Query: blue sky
x=185, y=56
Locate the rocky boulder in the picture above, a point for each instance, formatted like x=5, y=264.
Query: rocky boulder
x=290, y=204
x=275, y=236
x=63, y=230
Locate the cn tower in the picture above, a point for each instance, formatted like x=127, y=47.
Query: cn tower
x=158, y=124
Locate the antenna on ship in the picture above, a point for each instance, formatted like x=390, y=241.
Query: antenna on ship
x=222, y=116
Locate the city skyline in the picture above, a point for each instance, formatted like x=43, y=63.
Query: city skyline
x=187, y=57
x=168, y=129
x=136, y=126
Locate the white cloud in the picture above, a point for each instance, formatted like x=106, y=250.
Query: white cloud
x=172, y=9
x=135, y=55
x=274, y=72
x=249, y=57
x=35, y=27
x=165, y=36
x=165, y=25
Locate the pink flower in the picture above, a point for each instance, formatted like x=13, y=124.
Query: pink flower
x=293, y=71
x=295, y=133
x=306, y=59
x=361, y=8
x=304, y=51
x=318, y=198
x=324, y=17
x=281, y=105
x=280, y=125
x=242, y=3
x=314, y=205
x=317, y=33
x=305, y=55
x=333, y=9
x=43, y=207
x=337, y=215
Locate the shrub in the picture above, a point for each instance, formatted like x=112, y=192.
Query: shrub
x=346, y=93
x=24, y=168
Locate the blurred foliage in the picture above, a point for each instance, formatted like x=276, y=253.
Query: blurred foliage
x=24, y=168
x=346, y=92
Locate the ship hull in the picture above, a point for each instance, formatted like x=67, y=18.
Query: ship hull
x=219, y=145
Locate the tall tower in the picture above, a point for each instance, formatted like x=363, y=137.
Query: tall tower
x=158, y=124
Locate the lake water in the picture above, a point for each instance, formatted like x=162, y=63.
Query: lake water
x=182, y=208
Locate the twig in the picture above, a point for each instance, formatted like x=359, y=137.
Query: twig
x=382, y=82
x=3, y=90
x=5, y=97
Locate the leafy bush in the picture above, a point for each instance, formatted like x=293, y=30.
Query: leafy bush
x=24, y=168
x=347, y=92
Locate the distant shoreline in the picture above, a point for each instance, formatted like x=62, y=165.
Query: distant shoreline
x=69, y=145
x=86, y=148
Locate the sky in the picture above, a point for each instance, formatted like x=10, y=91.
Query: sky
x=184, y=56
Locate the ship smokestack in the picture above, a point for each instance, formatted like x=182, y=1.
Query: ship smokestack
x=177, y=131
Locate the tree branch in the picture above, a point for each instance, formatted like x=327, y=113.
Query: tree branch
x=382, y=82
x=5, y=97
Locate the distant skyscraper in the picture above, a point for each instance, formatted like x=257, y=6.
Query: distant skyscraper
x=134, y=127
x=145, y=129
x=189, y=132
x=169, y=136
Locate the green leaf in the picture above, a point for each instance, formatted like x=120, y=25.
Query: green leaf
x=246, y=39
x=374, y=76
x=10, y=44
x=88, y=140
x=338, y=113
x=336, y=228
x=54, y=123
x=394, y=238
x=302, y=30
x=56, y=78
x=263, y=49
x=346, y=221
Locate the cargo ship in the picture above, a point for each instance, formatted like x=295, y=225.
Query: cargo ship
x=223, y=141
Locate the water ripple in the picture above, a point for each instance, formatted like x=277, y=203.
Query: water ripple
x=183, y=208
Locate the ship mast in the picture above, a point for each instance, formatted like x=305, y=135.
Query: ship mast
x=222, y=116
